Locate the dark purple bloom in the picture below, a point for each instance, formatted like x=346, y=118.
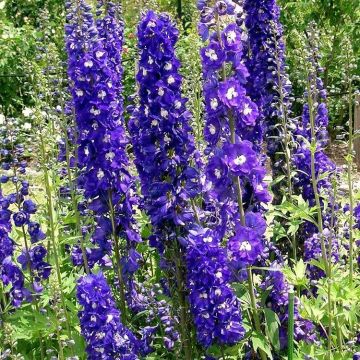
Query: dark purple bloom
x=20, y=218
x=100, y=321
x=29, y=207
x=94, y=66
x=240, y=157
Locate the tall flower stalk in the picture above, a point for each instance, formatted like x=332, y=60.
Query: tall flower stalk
x=313, y=164
x=163, y=150
x=234, y=137
x=269, y=86
x=94, y=70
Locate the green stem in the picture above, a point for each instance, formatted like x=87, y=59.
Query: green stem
x=290, y=334
x=75, y=204
x=350, y=185
x=326, y=260
x=338, y=334
x=50, y=209
x=118, y=261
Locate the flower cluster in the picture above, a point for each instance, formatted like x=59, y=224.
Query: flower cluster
x=164, y=149
x=100, y=322
x=10, y=273
x=94, y=68
x=215, y=308
x=233, y=132
x=160, y=129
x=160, y=320
x=17, y=210
x=269, y=85
x=313, y=126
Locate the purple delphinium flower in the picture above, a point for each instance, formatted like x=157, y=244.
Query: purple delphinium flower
x=161, y=323
x=232, y=130
x=94, y=67
x=306, y=132
x=215, y=308
x=16, y=209
x=312, y=250
x=269, y=85
x=160, y=128
x=100, y=322
x=10, y=273
x=164, y=150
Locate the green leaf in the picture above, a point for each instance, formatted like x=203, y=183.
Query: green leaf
x=260, y=342
x=272, y=328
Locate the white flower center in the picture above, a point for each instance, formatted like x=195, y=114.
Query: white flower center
x=154, y=123
x=168, y=66
x=231, y=36
x=211, y=54
x=218, y=292
x=164, y=113
x=171, y=80
x=231, y=93
x=100, y=174
x=214, y=104
x=102, y=94
x=245, y=246
x=88, y=63
x=247, y=110
x=161, y=91
x=212, y=129
x=217, y=173
x=150, y=61
x=109, y=156
x=219, y=274
x=239, y=160
x=79, y=92
x=99, y=54
x=208, y=239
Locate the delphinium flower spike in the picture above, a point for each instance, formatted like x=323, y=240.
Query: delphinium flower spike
x=269, y=85
x=315, y=171
x=234, y=136
x=164, y=148
x=107, y=183
x=311, y=161
x=17, y=211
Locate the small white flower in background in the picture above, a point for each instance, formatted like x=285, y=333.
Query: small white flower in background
x=27, y=112
x=2, y=119
x=26, y=126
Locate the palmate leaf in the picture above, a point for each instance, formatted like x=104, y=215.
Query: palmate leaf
x=296, y=275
